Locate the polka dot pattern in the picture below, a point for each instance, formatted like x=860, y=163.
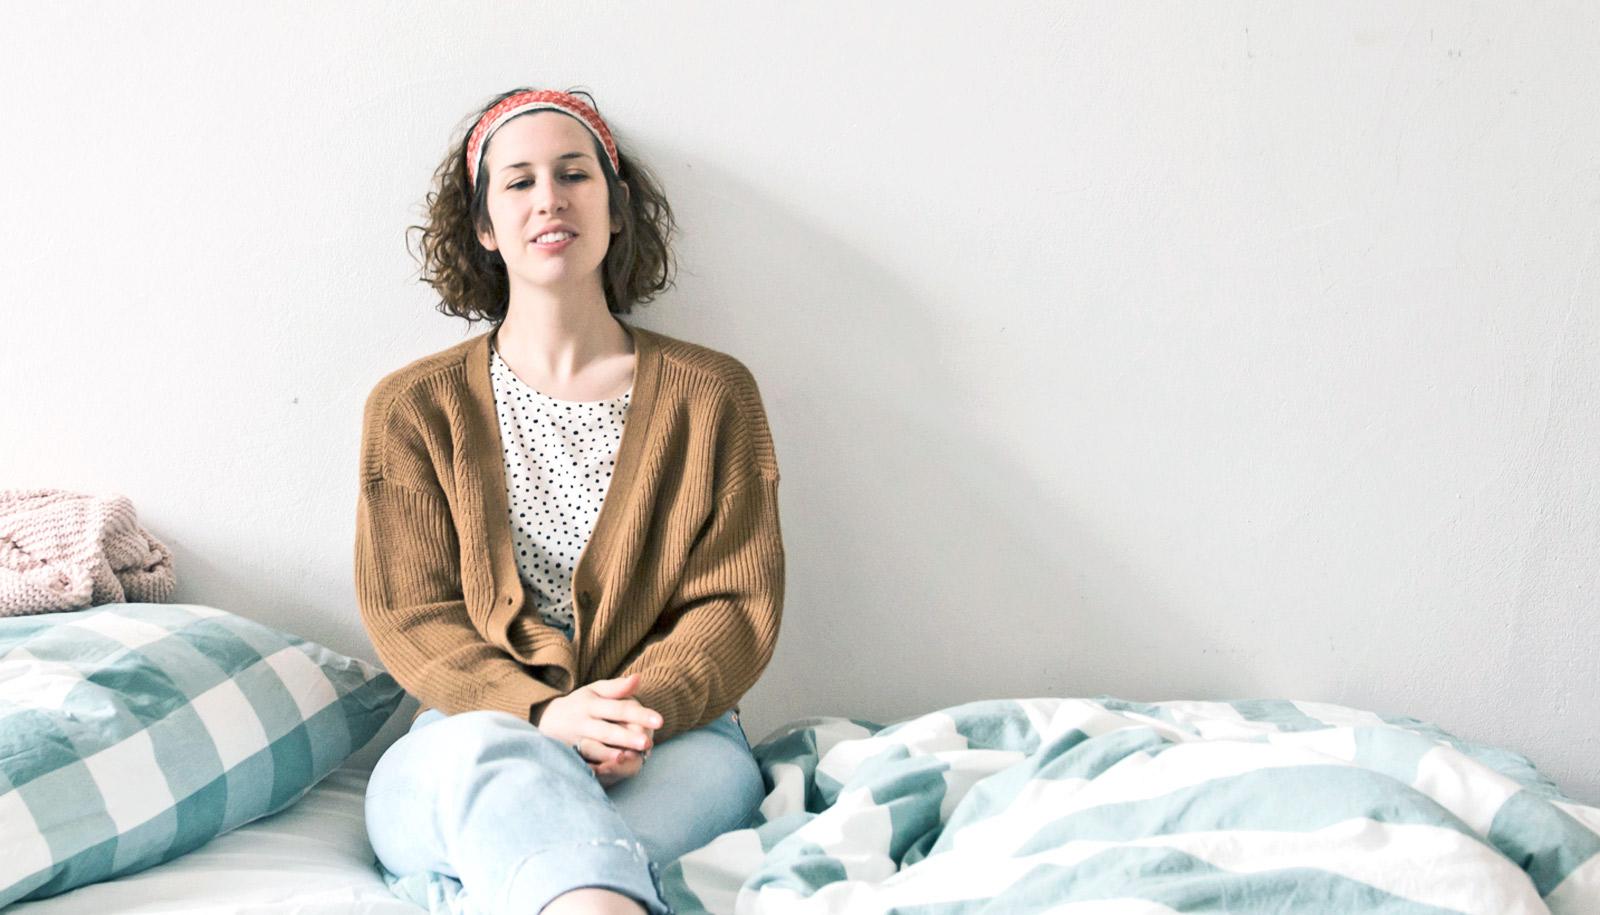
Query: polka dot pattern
x=559, y=457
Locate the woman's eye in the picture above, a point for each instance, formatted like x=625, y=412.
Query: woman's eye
x=578, y=175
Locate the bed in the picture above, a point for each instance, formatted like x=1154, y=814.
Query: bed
x=310, y=859
x=182, y=759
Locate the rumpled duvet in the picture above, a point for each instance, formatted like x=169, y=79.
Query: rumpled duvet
x=1106, y=806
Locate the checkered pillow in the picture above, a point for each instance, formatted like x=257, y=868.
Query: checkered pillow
x=132, y=733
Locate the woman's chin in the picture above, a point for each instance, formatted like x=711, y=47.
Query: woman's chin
x=556, y=274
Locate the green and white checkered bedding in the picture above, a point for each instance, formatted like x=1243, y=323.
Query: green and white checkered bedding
x=1105, y=806
x=132, y=733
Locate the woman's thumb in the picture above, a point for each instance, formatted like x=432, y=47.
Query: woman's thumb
x=617, y=687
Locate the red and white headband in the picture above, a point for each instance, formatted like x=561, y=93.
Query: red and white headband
x=513, y=105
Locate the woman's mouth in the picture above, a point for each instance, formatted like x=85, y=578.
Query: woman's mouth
x=559, y=241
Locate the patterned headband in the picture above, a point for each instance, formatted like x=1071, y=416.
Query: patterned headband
x=513, y=105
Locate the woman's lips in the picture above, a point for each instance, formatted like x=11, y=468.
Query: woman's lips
x=555, y=245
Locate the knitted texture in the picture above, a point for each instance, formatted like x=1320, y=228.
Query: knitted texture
x=681, y=579
x=62, y=550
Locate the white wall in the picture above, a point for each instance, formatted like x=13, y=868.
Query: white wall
x=1159, y=350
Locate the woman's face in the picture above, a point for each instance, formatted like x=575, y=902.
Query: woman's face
x=541, y=169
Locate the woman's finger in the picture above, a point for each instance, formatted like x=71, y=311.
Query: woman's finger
x=628, y=711
x=612, y=770
x=621, y=758
x=577, y=746
x=615, y=688
x=596, y=752
x=621, y=736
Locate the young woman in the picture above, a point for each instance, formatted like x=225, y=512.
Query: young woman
x=567, y=542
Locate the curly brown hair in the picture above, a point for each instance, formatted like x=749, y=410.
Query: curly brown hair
x=471, y=279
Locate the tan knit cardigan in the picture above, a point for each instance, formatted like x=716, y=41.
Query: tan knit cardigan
x=682, y=577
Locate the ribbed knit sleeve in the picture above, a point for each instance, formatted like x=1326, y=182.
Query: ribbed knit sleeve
x=720, y=627
x=408, y=582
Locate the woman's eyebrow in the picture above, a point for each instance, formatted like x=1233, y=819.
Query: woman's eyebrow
x=570, y=155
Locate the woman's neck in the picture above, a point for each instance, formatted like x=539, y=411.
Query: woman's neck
x=562, y=346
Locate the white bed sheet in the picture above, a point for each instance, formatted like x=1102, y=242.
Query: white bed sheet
x=311, y=859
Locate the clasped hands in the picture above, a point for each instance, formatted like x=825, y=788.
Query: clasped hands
x=609, y=728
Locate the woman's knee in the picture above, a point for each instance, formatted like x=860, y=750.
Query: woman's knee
x=747, y=785
x=470, y=739
x=723, y=748
x=709, y=785
x=458, y=745
x=461, y=769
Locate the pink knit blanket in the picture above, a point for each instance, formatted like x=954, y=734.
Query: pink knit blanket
x=63, y=550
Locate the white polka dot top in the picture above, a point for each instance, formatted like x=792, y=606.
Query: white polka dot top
x=559, y=456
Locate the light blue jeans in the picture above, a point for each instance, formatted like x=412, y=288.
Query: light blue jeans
x=481, y=813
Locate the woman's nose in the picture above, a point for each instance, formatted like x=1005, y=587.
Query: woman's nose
x=550, y=199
